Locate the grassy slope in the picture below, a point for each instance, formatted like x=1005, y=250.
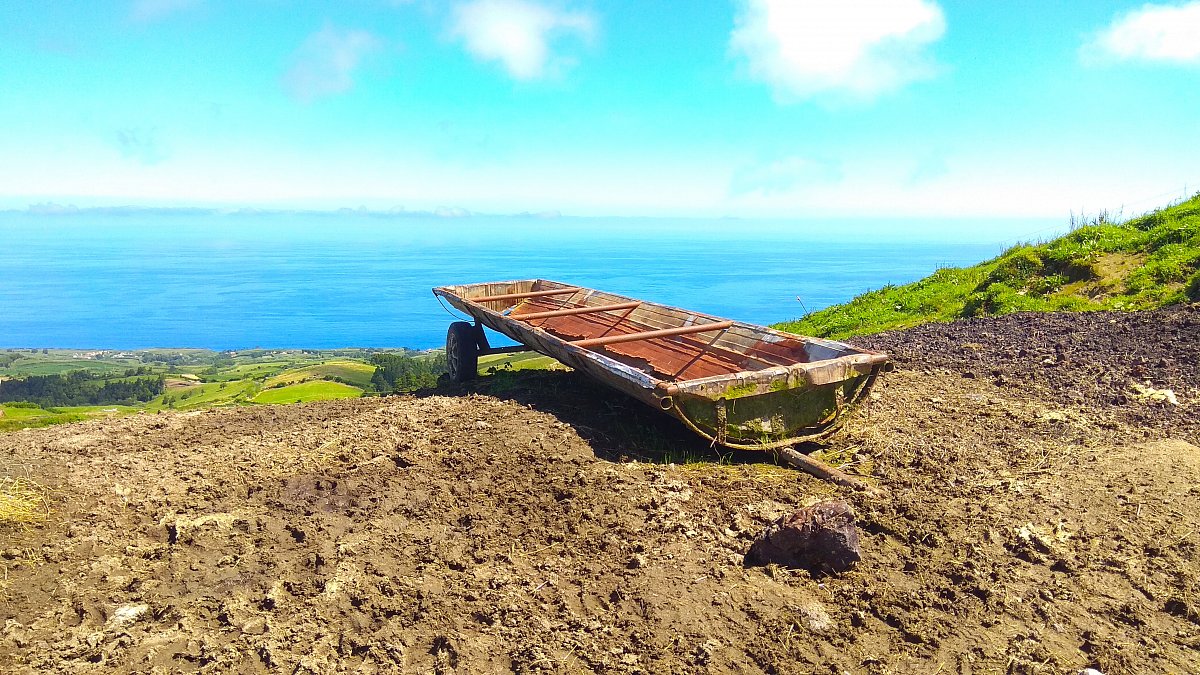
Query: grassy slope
x=312, y=390
x=207, y=395
x=1146, y=262
x=356, y=373
x=247, y=371
x=304, y=383
x=50, y=365
x=517, y=361
x=29, y=417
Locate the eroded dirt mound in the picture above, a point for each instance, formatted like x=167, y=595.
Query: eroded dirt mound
x=437, y=533
x=1106, y=360
x=505, y=528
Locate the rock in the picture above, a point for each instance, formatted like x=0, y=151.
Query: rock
x=814, y=617
x=127, y=614
x=1151, y=394
x=820, y=538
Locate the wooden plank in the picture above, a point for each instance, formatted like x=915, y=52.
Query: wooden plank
x=574, y=310
x=527, y=294
x=651, y=334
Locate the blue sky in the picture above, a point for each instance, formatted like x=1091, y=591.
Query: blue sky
x=745, y=108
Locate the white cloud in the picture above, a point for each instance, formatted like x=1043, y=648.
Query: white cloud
x=1168, y=33
x=860, y=47
x=324, y=65
x=145, y=11
x=518, y=34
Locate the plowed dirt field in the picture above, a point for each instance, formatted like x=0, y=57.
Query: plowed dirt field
x=1039, y=513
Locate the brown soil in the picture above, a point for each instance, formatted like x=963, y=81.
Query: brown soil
x=1039, y=516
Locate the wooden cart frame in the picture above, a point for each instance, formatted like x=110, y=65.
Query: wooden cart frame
x=736, y=384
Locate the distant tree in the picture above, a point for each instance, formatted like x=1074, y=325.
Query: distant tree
x=80, y=387
x=400, y=372
x=379, y=382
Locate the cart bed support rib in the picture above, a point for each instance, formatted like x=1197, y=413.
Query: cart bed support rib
x=651, y=334
x=573, y=310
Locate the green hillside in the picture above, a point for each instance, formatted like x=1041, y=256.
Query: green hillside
x=310, y=390
x=1142, y=263
x=354, y=373
x=190, y=379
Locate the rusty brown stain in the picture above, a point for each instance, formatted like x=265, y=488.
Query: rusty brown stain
x=789, y=351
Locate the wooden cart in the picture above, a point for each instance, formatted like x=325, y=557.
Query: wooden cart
x=736, y=384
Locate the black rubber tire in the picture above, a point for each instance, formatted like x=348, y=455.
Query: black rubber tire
x=462, y=352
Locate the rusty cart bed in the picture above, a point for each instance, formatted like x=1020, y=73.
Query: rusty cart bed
x=737, y=384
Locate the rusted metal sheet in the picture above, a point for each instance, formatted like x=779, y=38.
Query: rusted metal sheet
x=737, y=384
x=675, y=359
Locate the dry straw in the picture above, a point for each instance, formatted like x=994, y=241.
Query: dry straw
x=22, y=502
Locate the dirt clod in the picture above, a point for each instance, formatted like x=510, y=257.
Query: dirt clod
x=819, y=538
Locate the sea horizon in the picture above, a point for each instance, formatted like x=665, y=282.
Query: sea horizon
x=237, y=280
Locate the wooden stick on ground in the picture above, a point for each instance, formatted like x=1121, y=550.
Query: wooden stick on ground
x=822, y=470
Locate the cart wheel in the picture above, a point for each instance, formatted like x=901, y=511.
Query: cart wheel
x=462, y=353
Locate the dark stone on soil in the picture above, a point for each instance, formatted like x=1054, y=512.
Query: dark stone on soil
x=819, y=538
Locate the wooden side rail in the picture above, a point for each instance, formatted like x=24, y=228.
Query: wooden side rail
x=651, y=334
x=528, y=294
x=573, y=310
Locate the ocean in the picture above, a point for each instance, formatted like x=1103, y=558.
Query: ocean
x=140, y=279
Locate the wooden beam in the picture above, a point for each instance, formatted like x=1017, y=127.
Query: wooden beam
x=528, y=294
x=651, y=334
x=824, y=471
x=574, y=310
